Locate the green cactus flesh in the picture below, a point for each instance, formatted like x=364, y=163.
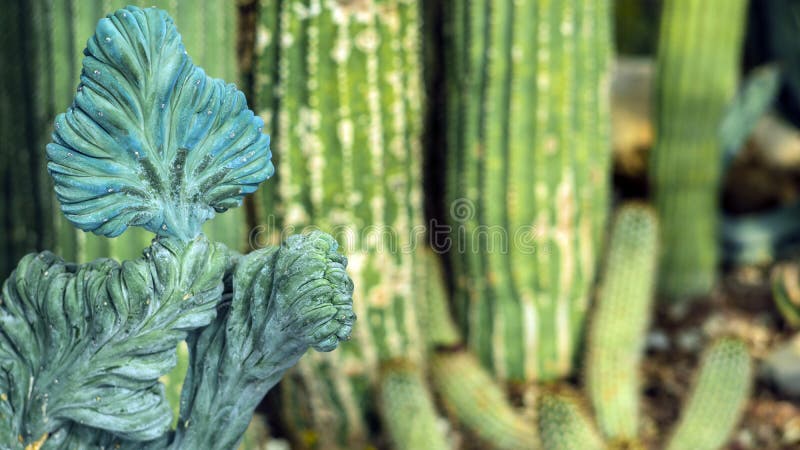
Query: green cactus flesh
x=407, y=410
x=619, y=323
x=563, y=425
x=698, y=63
x=717, y=399
x=340, y=82
x=528, y=152
x=479, y=403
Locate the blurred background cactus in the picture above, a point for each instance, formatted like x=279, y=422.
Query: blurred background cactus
x=700, y=45
x=467, y=155
x=528, y=184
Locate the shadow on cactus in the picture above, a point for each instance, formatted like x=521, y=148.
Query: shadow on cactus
x=151, y=141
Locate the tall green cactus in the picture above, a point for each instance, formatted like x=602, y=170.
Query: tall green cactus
x=618, y=326
x=340, y=82
x=528, y=148
x=698, y=65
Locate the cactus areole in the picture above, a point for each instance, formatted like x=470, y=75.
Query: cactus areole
x=151, y=141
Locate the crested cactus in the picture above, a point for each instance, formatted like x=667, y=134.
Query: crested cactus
x=619, y=323
x=528, y=153
x=698, y=60
x=717, y=398
x=151, y=141
x=340, y=82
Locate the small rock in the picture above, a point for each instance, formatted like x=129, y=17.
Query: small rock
x=657, y=340
x=781, y=368
x=689, y=340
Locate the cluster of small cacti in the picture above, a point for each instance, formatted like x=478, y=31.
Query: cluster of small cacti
x=615, y=345
x=700, y=42
x=528, y=153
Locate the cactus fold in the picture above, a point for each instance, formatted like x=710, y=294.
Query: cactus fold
x=340, y=82
x=528, y=153
x=698, y=64
x=717, y=398
x=619, y=323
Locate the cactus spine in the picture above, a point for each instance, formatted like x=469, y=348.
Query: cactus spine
x=619, y=322
x=528, y=155
x=698, y=59
x=717, y=399
x=341, y=85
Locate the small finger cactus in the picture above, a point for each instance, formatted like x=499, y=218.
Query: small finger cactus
x=615, y=345
x=151, y=141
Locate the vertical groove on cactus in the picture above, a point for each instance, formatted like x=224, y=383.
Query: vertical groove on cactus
x=698, y=62
x=619, y=322
x=563, y=425
x=340, y=81
x=528, y=153
x=717, y=399
x=472, y=396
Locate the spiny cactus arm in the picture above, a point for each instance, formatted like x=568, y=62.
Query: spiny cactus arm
x=285, y=300
x=563, y=425
x=150, y=140
x=717, y=399
x=471, y=395
x=620, y=320
x=408, y=409
x=86, y=344
x=467, y=390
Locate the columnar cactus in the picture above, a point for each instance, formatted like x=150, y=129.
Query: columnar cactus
x=717, y=399
x=698, y=65
x=528, y=132
x=151, y=141
x=619, y=323
x=340, y=81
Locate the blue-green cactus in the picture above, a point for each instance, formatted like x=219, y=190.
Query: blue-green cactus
x=151, y=141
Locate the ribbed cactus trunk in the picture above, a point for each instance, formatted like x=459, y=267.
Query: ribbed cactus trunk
x=700, y=44
x=339, y=85
x=528, y=146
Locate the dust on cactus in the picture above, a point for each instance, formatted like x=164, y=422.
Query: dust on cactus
x=151, y=141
